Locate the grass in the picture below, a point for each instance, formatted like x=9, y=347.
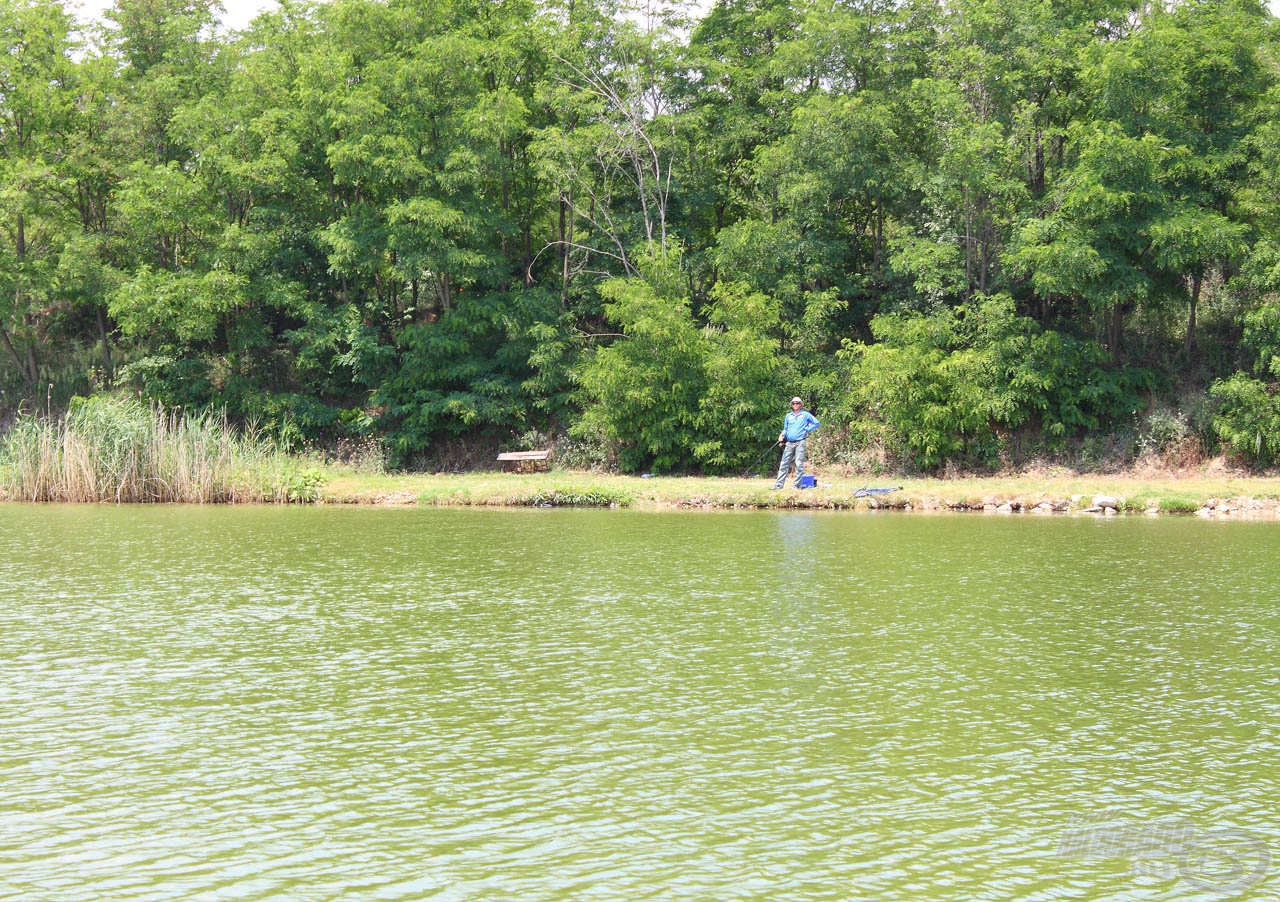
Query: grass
x=1168, y=493
x=1178, y=504
x=118, y=449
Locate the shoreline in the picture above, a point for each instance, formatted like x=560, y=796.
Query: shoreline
x=1211, y=492
x=1207, y=495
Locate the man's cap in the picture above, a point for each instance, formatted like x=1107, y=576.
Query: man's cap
x=796, y=401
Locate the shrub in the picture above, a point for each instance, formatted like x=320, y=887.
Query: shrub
x=464, y=373
x=1162, y=430
x=1179, y=504
x=641, y=394
x=1248, y=420
x=675, y=394
x=1248, y=417
x=567, y=497
x=949, y=385
x=296, y=484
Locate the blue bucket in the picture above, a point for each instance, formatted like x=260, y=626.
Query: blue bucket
x=807, y=482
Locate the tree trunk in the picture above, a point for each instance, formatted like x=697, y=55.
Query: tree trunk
x=108, y=367
x=968, y=245
x=1037, y=166
x=877, y=243
x=566, y=239
x=18, y=359
x=444, y=289
x=985, y=240
x=1196, y=281
x=528, y=251
x=33, y=365
x=564, y=251
x=1115, y=325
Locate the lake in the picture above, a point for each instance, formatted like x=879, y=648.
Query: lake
x=404, y=704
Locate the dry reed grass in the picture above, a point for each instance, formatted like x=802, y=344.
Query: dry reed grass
x=118, y=449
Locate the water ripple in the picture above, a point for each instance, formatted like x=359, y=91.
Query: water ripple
x=402, y=705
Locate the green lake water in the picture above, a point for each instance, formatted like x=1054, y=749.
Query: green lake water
x=319, y=703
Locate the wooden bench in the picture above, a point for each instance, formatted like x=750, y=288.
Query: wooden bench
x=525, y=461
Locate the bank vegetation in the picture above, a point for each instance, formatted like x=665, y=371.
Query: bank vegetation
x=121, y=450
x=973, y=234
x=1214, y=495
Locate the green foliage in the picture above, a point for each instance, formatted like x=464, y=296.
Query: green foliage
x=672, y=394
x=643, y=393
x=460, y=222
x=295, y=483
x=744, y=386
x=953, y=384
x=174, y=382
x=1261, y=339
x=1248, y=420
x=175, y=308
x=465, y=372
x=1248, y=415
x=1179, y=504
x=602, y=496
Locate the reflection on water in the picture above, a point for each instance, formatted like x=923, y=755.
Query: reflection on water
x=349, y=704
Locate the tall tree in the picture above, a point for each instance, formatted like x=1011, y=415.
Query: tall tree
x=1147, y=209
x=36, y=112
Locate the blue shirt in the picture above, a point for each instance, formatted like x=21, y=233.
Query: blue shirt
x=798, y=425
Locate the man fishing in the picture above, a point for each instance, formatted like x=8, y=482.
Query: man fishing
x=795, y=429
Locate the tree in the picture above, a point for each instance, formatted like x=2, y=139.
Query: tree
x=36, y=103
x=1148, y=208
x=671, y=394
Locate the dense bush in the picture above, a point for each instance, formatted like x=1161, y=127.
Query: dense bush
x=1248, y=420
x=463, y=373
x=950, y=384
x=1248, y=417
x=672, y=393
x=602, y=496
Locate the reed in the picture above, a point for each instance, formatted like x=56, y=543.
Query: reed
x=108, y=448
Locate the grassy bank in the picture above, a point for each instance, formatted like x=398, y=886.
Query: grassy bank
x=1135, y=492
x=117, y=449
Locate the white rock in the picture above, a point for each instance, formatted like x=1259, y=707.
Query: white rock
x=1106, y=501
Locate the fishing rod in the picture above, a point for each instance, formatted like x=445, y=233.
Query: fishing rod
x=756, y=462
